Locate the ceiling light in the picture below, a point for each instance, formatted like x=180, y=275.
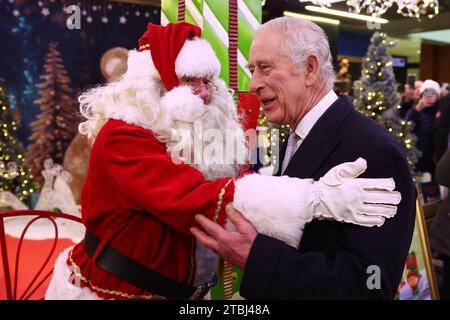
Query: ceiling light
x=407, y=8
x=345, y=14
x=312, y=18
x=442, y=36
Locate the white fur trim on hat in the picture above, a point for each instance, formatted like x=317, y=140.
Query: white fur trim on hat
x=197, y=59
x=140, y=65
x=430, y=85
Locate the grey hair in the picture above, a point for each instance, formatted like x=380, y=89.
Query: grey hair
x=303, y=38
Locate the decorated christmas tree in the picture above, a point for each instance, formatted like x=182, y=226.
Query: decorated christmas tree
x=14, y=174
x=343, y=81
x=375, y=94
x=270, y=139
x=56, y=125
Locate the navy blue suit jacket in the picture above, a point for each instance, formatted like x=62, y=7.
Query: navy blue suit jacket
x=333, y=258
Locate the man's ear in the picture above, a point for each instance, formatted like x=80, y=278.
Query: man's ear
x=312, y=70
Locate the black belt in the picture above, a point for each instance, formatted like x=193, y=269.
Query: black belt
x=138, y=275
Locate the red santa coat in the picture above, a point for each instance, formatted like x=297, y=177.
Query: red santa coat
x=139, y=202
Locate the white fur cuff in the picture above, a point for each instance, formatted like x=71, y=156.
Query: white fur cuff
x=278, y=207
x=60, y=287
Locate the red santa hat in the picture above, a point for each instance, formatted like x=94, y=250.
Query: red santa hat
x=171, y=52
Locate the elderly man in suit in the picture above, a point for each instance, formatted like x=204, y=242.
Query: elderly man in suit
x=292, y=75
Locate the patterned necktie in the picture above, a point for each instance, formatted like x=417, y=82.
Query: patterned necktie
x=290, y=150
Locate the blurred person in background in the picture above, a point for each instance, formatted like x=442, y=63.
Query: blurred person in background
x=423, y=115
x=408, y=101
x=417, y=87
x=445, y=90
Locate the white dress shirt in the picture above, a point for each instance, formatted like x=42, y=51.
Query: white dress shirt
x=308, y=121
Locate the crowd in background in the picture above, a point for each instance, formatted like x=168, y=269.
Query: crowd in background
x=427, y=105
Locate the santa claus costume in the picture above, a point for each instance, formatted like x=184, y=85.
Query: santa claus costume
x=139, y=200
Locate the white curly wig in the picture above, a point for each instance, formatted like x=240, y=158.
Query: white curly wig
x=139, y=98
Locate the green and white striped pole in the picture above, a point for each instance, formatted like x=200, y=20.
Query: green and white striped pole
x=213, y=17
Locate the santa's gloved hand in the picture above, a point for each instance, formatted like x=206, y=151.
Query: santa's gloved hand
x=366, y=202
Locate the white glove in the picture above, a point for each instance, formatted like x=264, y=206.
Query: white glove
x=280, y=207
x=366, y=202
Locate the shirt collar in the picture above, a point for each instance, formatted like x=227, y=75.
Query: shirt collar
x=309, y=120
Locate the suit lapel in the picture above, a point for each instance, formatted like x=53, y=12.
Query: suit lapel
x=310, y=156
x=320, y=142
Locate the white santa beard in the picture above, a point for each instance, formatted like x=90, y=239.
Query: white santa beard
x=222, y=124
x=220, y=115
x=138, y=100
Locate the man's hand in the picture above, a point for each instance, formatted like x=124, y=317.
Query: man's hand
x=422, y=104
x=233, y=246
x=425, y=102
